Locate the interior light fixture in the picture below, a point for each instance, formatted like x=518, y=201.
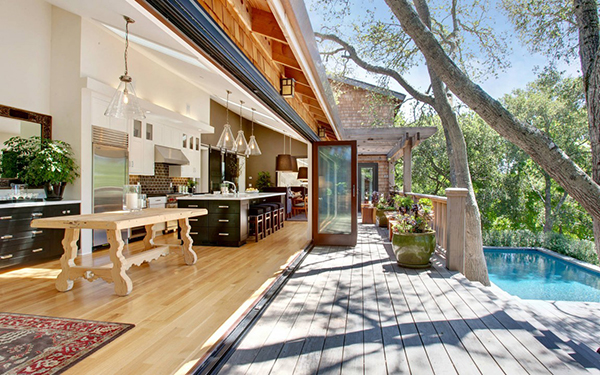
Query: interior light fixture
x=284, y=162
x=241, y=146
x=226, y=141
x=302, y=174
x=253, y=149
x=288, y=87
x=124, y=103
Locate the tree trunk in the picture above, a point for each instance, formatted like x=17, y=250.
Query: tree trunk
x=475, y=267
x=531, y=140
x=586, y=12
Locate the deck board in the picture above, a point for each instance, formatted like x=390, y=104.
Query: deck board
x=358, y=312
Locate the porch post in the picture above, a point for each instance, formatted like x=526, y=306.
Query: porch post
x=455, y=229
x=407, y=178
x=391, y=174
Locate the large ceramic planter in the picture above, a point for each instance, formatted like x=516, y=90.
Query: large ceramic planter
x=413, y=250
x=380, y=218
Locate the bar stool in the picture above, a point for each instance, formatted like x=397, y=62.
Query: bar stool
x=268, y=217
x=276, y=214
x=256, y=223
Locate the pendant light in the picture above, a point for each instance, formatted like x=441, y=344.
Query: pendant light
x=294, y=160
x=253, y=149
x=284, y=162
x=226, y=141
x=124, y=103
x=241, y=146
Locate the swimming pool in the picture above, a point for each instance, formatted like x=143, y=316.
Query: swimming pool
x=533, y=274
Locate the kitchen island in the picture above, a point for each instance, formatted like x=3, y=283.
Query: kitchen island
x=227, y=221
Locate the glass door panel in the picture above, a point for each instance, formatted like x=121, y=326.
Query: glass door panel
x=335, y=220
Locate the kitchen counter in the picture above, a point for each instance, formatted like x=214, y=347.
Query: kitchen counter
x=37, y=204
x=230, y=197
x=227, y=221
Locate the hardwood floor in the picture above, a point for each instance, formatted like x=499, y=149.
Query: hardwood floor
x=179, y=310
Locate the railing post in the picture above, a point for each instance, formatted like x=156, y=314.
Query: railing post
x=455, y=224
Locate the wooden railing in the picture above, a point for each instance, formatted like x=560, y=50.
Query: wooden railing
x=439, y=223
x=449, y=224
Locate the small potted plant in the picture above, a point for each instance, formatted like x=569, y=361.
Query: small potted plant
x=191, y=185
x=264, y=180
x=382, y=206
x=413, y=239
x=44, y=162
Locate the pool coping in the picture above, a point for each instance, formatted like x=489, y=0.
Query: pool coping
x=566, y=258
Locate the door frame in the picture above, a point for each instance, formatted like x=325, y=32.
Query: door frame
x=375, y=167
x=334, y=239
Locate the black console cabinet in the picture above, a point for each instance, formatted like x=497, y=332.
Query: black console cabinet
x=21, y=244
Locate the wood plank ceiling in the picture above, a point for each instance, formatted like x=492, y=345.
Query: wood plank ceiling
x=253, y=27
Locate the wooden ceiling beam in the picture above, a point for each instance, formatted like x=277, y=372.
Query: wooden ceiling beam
x=297, y=75
x=264, y=23
x=307, y=92
x=283, y=55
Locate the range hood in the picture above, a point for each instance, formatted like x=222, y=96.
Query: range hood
x=169, y=155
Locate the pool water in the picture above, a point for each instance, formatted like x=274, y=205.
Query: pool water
x=531, y=274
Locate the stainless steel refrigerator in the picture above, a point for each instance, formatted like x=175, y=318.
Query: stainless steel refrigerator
x=110, y=173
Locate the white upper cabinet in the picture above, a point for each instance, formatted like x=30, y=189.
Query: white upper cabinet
x=141, y=148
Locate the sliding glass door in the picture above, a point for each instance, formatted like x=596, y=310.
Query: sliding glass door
x=334, y=193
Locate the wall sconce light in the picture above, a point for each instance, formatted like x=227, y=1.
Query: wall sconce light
x=322, y=132
x=288, y=87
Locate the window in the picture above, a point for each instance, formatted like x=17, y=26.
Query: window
x=184, y=140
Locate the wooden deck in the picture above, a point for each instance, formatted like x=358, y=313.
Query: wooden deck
x=179, y=311
x=354, y=311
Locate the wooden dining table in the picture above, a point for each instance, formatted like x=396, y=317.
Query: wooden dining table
x=113, y=223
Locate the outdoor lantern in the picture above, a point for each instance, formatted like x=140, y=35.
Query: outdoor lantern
x=321, y=132
x=288, y=87
x=124, y=103
x=302, y=174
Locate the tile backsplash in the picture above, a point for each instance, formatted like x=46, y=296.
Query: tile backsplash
x=160, y=182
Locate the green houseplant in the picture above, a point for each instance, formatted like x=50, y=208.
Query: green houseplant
x=43, y=162
x=382, y=206
x=413, y=239
x=264, y=180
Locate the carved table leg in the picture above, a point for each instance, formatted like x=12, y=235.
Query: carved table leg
x=123, y=284
x=149, y=238
x=69, y=242
x=189, y=255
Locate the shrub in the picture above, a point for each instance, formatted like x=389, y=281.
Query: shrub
x=578, y=249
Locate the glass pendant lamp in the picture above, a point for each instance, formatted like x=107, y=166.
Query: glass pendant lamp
x=124, y=103
x=226, y=141
x=241, y=146
x=253, y=149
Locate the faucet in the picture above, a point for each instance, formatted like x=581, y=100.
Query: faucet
x=234, y=187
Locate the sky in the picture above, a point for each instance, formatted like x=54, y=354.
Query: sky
x=521, y=71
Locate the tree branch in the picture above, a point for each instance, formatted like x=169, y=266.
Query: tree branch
x=353, y=55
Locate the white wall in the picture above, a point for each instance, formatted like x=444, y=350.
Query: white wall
x=25, y=30
x=102, y=59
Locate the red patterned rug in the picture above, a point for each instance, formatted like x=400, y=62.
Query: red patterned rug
x=41, y=345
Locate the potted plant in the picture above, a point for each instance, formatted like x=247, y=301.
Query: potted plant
x=382, y=206
x=413, y=239
x=191, y=185
x=44, y=162
x=264, y=180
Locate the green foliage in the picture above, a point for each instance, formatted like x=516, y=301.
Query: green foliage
x=264, y=180
x=415, y=220
x=17, y=155
x=403, y=203
x=40, y=161
x=578, y=249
